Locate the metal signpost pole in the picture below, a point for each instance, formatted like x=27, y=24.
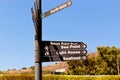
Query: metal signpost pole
x=37, y=20
x=38, y=60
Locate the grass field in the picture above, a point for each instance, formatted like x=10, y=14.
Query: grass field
x=81, y=77
x=16, y=77
x=59, y=77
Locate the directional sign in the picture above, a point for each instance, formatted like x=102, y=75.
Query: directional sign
x=62, y=51
x=56, y=9
x=64, y=45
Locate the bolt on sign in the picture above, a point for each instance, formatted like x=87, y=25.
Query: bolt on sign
x=63, y=51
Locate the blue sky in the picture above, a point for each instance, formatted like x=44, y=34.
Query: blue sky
x=94, y=22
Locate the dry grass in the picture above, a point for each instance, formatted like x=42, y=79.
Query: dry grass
x=17, y=77
x=59, y=77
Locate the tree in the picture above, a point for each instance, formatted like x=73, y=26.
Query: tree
x=107, y=62
x=109, y=55
x=24, y=68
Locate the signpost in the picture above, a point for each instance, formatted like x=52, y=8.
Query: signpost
x=46, y=51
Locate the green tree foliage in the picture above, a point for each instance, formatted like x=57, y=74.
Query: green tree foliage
x=104, y=63
x=109, y=55
x=24, y=68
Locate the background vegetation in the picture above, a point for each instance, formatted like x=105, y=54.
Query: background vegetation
x=105, y=63
x=103, y=66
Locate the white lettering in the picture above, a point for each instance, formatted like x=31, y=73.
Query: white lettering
x=54, y=10
x=73, y=43
x=71, y=58
x=61, y=52
x=64, y=43
x=74, y=52
x=64, y=47
x=74, y=46
x=62, y=6
x=54, y=43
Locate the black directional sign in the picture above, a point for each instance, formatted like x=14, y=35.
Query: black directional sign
x=62, y=51
x=56, y=9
